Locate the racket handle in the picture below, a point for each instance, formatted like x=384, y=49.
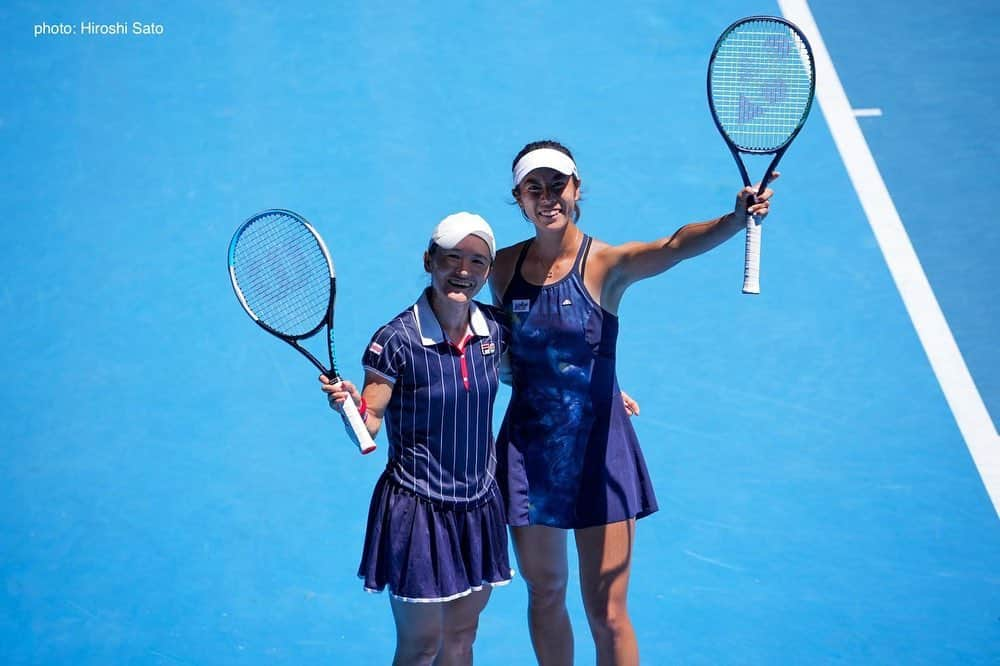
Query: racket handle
x=356, y=429
x=751, y=266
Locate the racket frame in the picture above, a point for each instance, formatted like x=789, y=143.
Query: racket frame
x=356, y=428
x=751, y=264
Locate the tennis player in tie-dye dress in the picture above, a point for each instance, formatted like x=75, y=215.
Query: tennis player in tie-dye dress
x=568, y=457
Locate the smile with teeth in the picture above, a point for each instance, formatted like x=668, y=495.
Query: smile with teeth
x=459, y=283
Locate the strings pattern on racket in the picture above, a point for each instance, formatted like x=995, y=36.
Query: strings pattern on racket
x=282, y=274
x=761, y=84
x=761, y=81
x=284, y=278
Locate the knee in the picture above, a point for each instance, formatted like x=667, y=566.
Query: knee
x=546, y=588
x=457, y=640
x=417, y=647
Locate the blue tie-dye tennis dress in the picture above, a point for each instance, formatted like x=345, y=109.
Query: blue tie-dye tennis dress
x=568, y=455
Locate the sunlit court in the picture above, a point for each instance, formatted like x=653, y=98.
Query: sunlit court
x=174, y=487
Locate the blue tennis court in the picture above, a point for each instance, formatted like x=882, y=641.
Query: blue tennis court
x=173, y=487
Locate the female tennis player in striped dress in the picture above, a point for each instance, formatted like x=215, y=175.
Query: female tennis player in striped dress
x=569, y=458
x=437, y=534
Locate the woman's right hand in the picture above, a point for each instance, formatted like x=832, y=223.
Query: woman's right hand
x=337, y=393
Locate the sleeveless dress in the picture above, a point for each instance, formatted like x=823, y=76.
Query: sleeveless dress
x=568, y=456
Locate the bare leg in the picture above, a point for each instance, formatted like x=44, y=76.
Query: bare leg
x=605, y=554
x=460, y=622
x=541, y=559
x=418, y=632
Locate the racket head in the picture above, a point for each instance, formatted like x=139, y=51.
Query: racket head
x=282, y=273
x=761, y=83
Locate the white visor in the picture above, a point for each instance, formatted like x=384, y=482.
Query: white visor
x=453, y=229
x=544, y=157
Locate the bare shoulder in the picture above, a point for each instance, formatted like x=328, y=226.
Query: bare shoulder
x=603, y=274
x=607, y=255
x=503, y=268
x=597, y=245
x=615, y=255
x=599, y=258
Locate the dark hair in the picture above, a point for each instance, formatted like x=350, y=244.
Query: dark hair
x=545, y=143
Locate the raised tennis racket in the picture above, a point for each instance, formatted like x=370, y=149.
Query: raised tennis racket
x=761, y=81
x=284, y=279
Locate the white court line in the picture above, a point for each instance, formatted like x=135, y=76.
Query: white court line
x=867, y=113
x=946, y=360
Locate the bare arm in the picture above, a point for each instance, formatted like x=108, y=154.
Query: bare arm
x=639, y=260
x=628, y=263
x=376, y=393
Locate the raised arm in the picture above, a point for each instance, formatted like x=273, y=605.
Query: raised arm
x=630, y=262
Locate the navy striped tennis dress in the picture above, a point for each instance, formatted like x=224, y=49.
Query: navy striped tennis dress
x=436, y=525
x=568, y=455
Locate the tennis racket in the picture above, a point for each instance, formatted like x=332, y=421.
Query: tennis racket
x=761, y=81
x=284, y=279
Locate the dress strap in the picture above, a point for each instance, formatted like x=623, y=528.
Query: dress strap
x=581, y=257
x=521, y=256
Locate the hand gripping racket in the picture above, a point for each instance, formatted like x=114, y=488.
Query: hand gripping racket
x=284, y=279
x=761, y=81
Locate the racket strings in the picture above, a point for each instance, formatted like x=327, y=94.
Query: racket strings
x=761, y=84
x=282, y=274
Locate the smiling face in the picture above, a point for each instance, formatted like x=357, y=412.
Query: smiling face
x=548, y=197
x=457, y=274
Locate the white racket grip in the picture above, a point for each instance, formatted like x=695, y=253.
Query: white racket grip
x=356, y=429
x=751, y=266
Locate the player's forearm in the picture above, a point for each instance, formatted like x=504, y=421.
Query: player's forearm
x=700, y=237
x=637, y=261
x=372, y=423
x=377, y=394
x=648, y=259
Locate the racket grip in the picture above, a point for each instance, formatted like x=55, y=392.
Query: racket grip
x=356, y=429
x=751, y=265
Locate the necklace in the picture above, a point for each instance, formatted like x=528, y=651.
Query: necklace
x=556, y=263
x=551, y=269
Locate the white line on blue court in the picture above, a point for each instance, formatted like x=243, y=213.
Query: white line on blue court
x=867, y=113
x=932, y=328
